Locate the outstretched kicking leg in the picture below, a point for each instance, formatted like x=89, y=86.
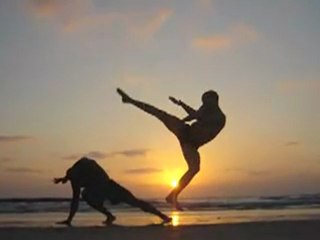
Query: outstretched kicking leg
x=174, y=124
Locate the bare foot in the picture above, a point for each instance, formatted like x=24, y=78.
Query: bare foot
x=65, y=222
x=178, y=207
x=169, y=198
x=166, y=220
x=109, y=220
x=125, y=97
x=172, y=199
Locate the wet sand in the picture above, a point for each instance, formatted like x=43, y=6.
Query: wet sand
x=277, y=230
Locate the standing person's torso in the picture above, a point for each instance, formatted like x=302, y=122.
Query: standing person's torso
x=211, y=117
x=210, y=122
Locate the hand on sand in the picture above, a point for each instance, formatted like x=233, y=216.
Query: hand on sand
x=125, y=97
x=109, y=220
x=65, y=222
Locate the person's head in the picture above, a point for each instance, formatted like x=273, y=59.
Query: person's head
x=210, y=97
x=84, y=158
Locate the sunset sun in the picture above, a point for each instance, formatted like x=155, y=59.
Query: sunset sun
x=174, y=183
x=171, y=178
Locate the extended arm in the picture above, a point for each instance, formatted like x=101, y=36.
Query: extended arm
x=60, y=180
x=190, y=117
x=195, y=115
x=74, y=202
x=180, y=103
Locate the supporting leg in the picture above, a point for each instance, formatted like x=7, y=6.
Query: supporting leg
x=147, y=207
x=110, y=218
x=98, y=205
x=192, y=157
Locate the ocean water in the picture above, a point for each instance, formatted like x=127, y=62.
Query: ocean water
x=45, y=212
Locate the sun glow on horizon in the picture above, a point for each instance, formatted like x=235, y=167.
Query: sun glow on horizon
x=171, y=178
x=175, y=219
x=174, y=183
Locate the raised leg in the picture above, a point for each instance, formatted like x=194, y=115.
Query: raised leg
x=192, y=157
x=174, y=124
x=181, y=131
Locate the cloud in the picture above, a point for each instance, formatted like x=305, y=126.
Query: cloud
x=294, y=86
x=81, y=15
x=6, y=159
x=131, y=153
x=13, y=138
x=72, y=157
x=213, y=43
x=96, y=154
x=91, y=154
x=143, y=170
x=292, y=143
x=137, y=79
x=257, y=172
x=46, y=8
x=134, y=79
x=102, y=155
x=238, y=34
x=23, y=170
x=205, y=3
x=249, y=172
x=71, y=16
x=151, y=24
x=243, y=33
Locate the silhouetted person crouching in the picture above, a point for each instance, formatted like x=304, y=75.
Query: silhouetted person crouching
x=97, y=187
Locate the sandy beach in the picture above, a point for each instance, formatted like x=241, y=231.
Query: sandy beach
x=277, y=230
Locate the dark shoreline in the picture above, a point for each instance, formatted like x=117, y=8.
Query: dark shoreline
x=32, y=200
x=273, y=230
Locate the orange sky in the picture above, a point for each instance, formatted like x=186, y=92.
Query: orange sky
x=60, y=65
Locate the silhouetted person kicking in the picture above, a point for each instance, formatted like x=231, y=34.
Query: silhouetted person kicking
x=209, y=121
x=98, y=187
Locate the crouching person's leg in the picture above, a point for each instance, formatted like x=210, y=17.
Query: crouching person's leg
x=96, y=202
x=147, y=207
